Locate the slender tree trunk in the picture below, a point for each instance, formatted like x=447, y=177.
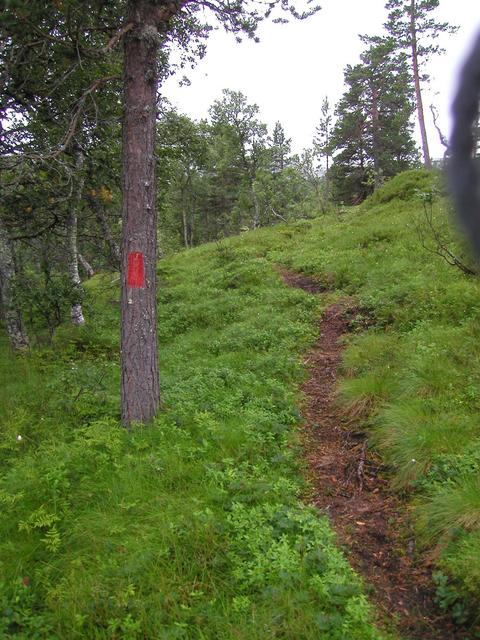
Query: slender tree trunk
x=327, y=175
x=184, y=217
x=185, y=227
x=476, y=138
x=11, y=314
x=418, y=93
x=256, y=208
x=86, y=266
x=140, y=390
x=376, y=138
x=113, y=247
x=76, y=312
x=192, y=222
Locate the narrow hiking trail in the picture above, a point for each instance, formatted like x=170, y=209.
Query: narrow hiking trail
x=351, y=485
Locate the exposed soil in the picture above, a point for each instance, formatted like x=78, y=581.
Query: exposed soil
x=350, y=484
x=301, y=281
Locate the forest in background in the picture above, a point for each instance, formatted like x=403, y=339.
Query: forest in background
x=61, y=167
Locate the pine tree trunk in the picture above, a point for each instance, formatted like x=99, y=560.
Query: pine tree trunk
x=76, y=312
x=418, y=93
x=140, y=391
x=11, y=314
x=376, y=139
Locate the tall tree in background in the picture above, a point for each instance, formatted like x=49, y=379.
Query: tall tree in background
x=372, y=137
x=322, y=146
x=237, y=118
x=205, y=191
x=182, y=153
x=280, y=148
x=414, y=30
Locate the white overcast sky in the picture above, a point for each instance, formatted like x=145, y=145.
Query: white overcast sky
x=295, y=66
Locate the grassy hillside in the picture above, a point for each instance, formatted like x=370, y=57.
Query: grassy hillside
x=190, y=528
x=194, y=527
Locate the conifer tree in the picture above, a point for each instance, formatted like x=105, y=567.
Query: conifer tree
x=372, y=137
x=322, y=146
x=59, y=61
x=414, y=30
x=280, y=148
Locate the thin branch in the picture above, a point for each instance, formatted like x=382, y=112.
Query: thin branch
x=120, y=33
x=277, y=215
x=443, y=139
x=75, y=118
x=441, y=248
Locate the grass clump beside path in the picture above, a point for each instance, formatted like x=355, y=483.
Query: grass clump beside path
x=192, y=527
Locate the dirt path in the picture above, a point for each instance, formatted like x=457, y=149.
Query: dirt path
x=351, y=486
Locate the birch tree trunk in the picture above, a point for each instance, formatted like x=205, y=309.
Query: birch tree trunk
x=86, y=266
x=376, y=138
x=76, y=312
x=140, y=390
x=184, y=216
x=13, y=319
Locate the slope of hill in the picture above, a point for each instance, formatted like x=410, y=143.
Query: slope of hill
x=195, y=527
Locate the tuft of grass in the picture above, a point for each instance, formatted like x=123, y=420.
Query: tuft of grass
x=453, y=510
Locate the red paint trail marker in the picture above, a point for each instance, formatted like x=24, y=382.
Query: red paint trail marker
x=136, y=270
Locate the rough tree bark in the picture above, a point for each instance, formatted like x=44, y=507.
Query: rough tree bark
x=11, y=314
x=140, y=392
x=418, y=93
x=76, y=312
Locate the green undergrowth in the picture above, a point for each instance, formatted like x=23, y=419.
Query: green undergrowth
x=192, y=527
